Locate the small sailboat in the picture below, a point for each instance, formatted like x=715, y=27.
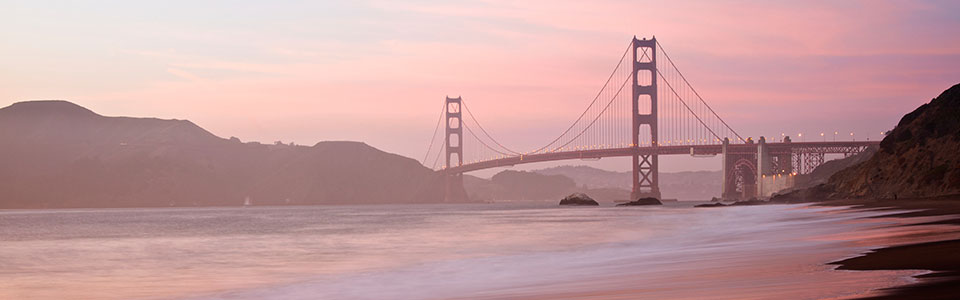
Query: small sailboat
x=247, y=201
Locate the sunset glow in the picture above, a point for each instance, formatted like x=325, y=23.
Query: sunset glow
x=377, y=71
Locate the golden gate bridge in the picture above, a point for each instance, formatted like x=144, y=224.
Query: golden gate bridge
x=645, y=108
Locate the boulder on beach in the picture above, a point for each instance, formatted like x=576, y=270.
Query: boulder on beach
x=642, y=201
x=578, y=199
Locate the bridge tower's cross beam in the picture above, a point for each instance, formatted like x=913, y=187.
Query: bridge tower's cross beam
x=645, y=166
x=453, y=145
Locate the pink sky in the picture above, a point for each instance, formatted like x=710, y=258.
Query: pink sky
x=377, y=71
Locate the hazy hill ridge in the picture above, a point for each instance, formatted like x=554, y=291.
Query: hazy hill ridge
x=688, y=185
x=605, y=186
x=59, y=154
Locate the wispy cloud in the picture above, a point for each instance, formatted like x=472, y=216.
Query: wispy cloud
x=184, y=74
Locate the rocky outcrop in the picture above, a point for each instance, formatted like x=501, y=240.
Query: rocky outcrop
x=918, y=158
x=715, y=204
x=815, y=193
x=822, y=173
x=642, y=201
x=578, y=199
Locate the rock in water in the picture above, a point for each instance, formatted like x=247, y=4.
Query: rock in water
x=642, y=201
x=578, y=199
x=715, y=204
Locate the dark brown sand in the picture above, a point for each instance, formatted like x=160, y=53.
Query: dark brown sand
x=941, y=256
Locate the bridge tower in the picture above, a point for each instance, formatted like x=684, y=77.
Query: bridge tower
x=645, y=166
x=453, y=146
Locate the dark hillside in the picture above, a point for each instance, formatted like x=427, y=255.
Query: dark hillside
x=918, y=158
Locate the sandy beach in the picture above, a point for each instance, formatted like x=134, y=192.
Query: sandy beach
x=930, y=240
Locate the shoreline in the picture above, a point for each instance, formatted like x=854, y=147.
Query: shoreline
x=937, y=253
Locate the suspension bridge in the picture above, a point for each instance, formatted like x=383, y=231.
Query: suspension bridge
x=646, y=108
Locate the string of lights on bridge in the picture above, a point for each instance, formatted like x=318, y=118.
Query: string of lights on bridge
x=823, y=137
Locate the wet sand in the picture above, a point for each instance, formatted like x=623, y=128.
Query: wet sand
x=935, y=250
x=923, y=238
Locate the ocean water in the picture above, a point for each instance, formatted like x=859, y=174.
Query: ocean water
x=481, y=251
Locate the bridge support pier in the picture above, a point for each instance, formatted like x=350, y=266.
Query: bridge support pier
x=453, y=190
x=764, y=166
x=740, y=173
x=645, y=176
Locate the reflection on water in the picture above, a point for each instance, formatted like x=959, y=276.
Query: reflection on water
x=433, y=252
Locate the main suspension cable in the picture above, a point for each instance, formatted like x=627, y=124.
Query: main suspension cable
x=475, y=120
x=434, y=137
x=595, y=98
x=696, y=93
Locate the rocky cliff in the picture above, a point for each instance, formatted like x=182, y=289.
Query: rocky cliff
x=918, y=158
x=58, y=154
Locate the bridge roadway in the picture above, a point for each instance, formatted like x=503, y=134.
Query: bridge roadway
x=842, y=147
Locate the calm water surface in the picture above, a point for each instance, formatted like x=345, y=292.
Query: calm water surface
x=434, y=252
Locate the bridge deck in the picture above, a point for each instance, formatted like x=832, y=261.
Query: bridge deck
x=773, y=148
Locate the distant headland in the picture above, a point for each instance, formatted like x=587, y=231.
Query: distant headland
x=56, y=154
